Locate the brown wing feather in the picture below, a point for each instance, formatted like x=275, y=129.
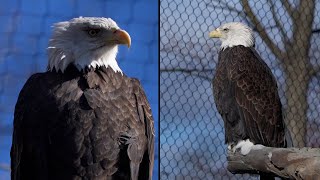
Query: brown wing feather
x=257, y=96
x=17, y=137
x=145, y=115
x=28, y=140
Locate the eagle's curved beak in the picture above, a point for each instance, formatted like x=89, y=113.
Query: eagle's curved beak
x=123, y=37
x=215, y=34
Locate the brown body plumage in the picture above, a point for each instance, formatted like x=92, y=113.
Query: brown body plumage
x=82, y=125
x=246, y=96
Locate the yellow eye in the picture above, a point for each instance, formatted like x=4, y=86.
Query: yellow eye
x=93, y=32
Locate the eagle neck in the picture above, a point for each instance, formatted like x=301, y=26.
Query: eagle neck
x=242, y=39
x=60, y=60
x=104, y=57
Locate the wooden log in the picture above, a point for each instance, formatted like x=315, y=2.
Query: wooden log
x=288, y=163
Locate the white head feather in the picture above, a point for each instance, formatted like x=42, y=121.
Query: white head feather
x=71, y=43
x=234, y=34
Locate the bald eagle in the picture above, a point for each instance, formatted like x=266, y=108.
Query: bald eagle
x=245, y=92
x=83, y=118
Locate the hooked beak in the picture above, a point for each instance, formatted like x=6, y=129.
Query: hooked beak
x=215, y=34
x=123, y=37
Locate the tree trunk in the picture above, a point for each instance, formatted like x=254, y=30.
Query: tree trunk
x=297, y=67
x=296, y=94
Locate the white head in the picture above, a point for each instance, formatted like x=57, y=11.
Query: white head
x=86, y=42
x=233, y=34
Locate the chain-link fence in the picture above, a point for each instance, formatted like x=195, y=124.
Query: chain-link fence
x=287, y=38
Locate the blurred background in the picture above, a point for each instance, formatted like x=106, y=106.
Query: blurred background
x=191, y=130
x=25, y=28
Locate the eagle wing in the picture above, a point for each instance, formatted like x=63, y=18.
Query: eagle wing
x=133, y=116
x=28, y=147
x=145, y=115
x=257, y=96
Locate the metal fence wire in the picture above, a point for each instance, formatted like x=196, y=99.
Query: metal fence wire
x=286, y=37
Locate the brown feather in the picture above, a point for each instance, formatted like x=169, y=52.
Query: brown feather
x=94, y=124
x=246, y=96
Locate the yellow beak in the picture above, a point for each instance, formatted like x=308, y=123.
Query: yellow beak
x=123, y=37
x=215, y=34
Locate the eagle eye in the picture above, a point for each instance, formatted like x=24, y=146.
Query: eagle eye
x=225, y=29
x=93, y=32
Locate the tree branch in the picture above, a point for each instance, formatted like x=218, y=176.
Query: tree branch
x=185, y=70
x=194, y=72
x=302, y=28
x=292, y=163
x=277, y=21
x=288, y=7
x=262, y=32
x=225, y=5
x=316, y=31
x=314, y=70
